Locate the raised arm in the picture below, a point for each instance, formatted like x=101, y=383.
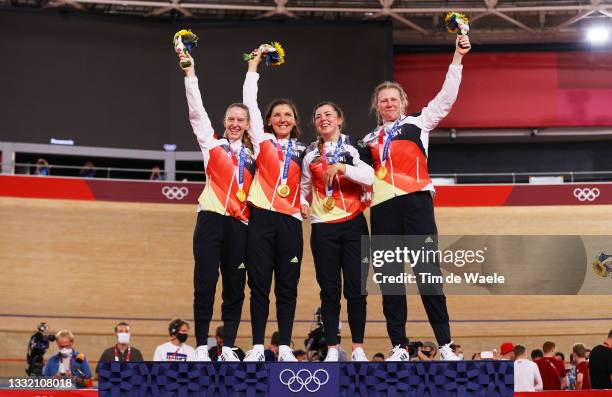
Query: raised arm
x=249, y=98
x=440, y=106
x=200, y=123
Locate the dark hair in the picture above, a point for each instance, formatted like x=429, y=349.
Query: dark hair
x=123, y=323
x=295, y=131
x=299, y=352
x=219, y=332
x=610, y=334
x=379, y=355
x=246, y=140
x=560, y=355
x=536, y=353
x=275, y=341
x=548, y=346
x=338, y=111
x=337, y=108
x=519, y=350
x=175, y=325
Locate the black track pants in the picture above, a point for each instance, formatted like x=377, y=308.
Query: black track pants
x=411, y=214
x=218, y=242
x=336, y=248
x=274, y=246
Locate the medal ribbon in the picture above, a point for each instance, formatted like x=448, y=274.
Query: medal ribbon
x=381, y=137
x=238, y=160
x=127, y=357
x=329, y=190
x=287, y=160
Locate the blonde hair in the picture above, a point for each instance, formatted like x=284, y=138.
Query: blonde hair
x=385, y=85
x=246, y=140
x=64, y=333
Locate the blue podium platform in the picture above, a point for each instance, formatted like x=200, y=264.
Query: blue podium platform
x=419, y=379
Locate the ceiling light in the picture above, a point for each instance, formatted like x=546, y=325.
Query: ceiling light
x=598, y=35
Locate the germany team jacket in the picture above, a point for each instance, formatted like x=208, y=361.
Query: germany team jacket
x=351, y=191
x=270, y=161
x=221, y=161
x=406, y=161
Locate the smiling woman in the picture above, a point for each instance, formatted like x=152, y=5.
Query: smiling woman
x=402, y=202
x=275, y=231
x=336, y=183
x=219, y=239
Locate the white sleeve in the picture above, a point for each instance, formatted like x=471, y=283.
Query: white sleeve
x=539, y=385
x=440, y=106
x=249, y=98
x=360, y=172
x=306, y=182
x=190, y=353
x=158, y=355
x=200, y=123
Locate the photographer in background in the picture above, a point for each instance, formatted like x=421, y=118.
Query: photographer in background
x=427, y=352
x=68, y=363
x=122, y=351
x=37, y=347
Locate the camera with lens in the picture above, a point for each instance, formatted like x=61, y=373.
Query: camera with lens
x=413, y=348
x=37, y=347
x=316, y=346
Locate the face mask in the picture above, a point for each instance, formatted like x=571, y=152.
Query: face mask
x=181, y=337
x=66, y=351
x=123, y=337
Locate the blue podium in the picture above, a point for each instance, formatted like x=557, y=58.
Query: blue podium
x=346, y=379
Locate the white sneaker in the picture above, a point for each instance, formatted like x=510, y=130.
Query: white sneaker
x=229, y=354
x=332, y=355
x=399, y=354
x=359, y=355
x=285, y=353
x=255, y=355
x=447, y=354
x=201, y=354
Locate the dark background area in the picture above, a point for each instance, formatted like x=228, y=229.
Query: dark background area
x=520, y=157
x=115, y=82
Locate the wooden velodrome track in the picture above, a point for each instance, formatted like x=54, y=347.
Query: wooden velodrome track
x=87, y=265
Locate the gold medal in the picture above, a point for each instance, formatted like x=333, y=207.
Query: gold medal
x=283, y=191
x=241, y=195
x=382, y=172
x=329, y=203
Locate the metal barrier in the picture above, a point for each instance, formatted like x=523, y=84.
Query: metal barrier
x=170, y=168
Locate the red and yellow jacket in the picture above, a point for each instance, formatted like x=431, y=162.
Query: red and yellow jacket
x=270, y=161
x=351, y=191
x=406, y=162
x=221, y=159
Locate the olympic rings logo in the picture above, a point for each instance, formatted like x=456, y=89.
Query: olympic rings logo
x=586, y=194
x=175, y=192
x=304, y=379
